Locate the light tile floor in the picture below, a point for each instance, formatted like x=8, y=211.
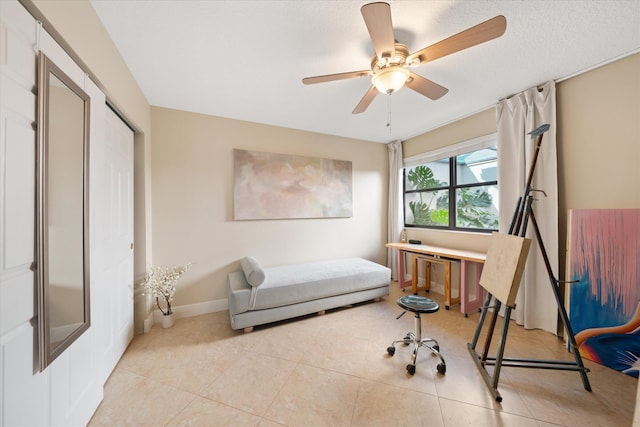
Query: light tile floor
x=333, y=370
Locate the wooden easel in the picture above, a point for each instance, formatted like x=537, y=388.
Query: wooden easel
x=501, y=278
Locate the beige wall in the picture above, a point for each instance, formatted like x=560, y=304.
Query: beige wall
x=192, y=156
x=598, y=141
x=480, y=124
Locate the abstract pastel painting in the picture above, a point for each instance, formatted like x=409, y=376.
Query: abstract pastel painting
x=604, y=310
x=280, y=186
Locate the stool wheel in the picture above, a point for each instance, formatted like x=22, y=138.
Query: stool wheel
x=407, y=337
x=411, y=369
x=442, y=368
x=391, y=350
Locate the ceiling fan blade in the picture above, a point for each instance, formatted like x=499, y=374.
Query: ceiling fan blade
x=333, y=77
x=426, y=87
x=487, y=30
x=377, y=17
x=366, y=100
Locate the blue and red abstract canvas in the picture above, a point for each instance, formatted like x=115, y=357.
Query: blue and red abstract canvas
x=604, y=306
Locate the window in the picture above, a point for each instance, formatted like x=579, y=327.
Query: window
x=458, y=192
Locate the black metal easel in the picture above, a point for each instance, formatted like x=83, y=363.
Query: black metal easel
x=521, y=217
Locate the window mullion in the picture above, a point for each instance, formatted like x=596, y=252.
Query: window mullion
x=452, y=192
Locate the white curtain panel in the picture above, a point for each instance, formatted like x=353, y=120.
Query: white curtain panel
x=396, y=219
x=518, y=115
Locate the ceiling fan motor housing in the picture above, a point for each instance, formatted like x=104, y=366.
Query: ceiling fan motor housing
x=399, y=58
x=390, y=72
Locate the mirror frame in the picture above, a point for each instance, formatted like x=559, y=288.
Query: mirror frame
x=47, y=353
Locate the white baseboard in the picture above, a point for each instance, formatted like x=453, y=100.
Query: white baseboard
x=190, y=310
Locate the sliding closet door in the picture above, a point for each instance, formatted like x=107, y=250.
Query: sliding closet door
x=114, y=229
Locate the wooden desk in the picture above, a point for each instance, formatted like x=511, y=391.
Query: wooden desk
x=442, y=256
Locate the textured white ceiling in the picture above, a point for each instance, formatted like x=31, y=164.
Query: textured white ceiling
x=245, y=59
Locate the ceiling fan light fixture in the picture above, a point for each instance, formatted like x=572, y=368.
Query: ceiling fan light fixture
x=390, y=79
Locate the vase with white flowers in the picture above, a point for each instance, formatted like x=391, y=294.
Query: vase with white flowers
x=160, y=283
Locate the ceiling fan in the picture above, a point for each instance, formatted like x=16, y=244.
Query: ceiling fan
x=390, y=65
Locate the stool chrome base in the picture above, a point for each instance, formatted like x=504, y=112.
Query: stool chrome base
x=417, y=341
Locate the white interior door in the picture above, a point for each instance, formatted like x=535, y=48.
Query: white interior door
x=20, y=388
x=114, y=222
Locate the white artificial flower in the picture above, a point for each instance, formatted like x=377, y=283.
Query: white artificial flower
x=161, y=283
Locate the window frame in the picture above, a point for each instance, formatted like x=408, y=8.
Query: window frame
x=451, y=153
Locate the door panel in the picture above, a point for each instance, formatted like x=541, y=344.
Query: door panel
x=23, y=389
x=118, y=237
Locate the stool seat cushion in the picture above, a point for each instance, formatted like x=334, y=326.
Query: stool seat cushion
x=418, y=304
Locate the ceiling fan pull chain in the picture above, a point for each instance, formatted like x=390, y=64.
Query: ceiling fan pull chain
x=389, y=111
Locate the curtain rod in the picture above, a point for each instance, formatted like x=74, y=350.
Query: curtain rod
x=598, y=65
x=585, y=70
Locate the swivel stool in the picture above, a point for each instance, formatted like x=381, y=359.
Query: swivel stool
x=418, y=305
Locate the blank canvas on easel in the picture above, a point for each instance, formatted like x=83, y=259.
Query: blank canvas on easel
x=504, y=265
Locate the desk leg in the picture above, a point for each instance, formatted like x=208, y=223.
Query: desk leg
x=400, y=267
x=479, y=289
x=466, y=305
x=414, y=275
x=401, y=270
x=464, y=291
x=427, y=275
x=448, y=300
